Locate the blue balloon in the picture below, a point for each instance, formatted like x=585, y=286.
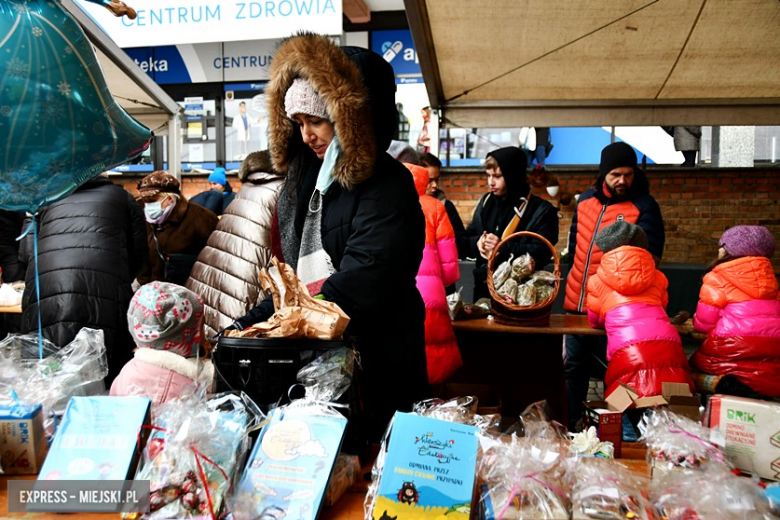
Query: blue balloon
x=59, y=124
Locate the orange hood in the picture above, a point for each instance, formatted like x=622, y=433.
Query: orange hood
x=420, y=175
x=627, y=270
x=752, y=276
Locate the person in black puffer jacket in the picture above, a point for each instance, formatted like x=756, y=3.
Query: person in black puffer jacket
x=91, y=246
x=10, y=227
x=372, y=227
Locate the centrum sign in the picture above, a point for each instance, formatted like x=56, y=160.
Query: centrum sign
x=173, y=22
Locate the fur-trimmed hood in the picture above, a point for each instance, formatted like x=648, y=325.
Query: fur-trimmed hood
x=257, y=168
x=358, y=88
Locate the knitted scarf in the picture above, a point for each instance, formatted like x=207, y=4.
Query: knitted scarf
x=307, y=254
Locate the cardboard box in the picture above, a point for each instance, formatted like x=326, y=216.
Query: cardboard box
x=22, y=439
x=681, y=402
x=99, y=438
x=607, y=416
x=608, y=422
x=750, y=430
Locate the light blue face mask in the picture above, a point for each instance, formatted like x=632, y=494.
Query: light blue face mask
x=153, y=210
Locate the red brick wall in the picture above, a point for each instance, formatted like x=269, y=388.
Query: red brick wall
x=697, y=205
x=191, y=185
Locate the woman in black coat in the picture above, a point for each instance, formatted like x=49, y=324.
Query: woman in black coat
x=91, y=246
x=372, y=227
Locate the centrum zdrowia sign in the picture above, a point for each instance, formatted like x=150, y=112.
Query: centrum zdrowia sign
x=172, y=22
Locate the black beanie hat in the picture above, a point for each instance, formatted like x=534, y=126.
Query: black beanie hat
x=616, y=155
x=621, y=233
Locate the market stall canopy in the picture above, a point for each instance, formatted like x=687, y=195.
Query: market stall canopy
x=133, y=89
x=504, y=63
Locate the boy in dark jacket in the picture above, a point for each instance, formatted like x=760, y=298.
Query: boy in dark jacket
x=496, y=216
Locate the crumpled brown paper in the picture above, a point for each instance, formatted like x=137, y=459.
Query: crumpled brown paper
x=297, y=315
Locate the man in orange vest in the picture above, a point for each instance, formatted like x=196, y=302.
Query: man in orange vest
x=620, y=193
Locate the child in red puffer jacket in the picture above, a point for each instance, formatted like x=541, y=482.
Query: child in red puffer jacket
x=628, y=297
x=739, y=309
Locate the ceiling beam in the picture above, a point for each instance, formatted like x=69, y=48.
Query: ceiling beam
x=356, y=11
x=420, y=26
x=511, y=114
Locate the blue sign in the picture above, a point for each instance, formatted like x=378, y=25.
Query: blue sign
x=397, y=48
x=204, y=63
x=242, y=87
x=163, y=64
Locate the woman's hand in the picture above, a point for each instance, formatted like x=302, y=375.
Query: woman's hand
x=486, y=243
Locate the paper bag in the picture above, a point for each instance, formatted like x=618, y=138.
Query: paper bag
x=297, y=314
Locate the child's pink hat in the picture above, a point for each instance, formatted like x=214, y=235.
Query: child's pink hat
x=166, y=316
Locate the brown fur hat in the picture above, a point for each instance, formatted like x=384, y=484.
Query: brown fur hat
x=255, y=162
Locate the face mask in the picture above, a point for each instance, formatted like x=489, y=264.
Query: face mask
x=153, y=210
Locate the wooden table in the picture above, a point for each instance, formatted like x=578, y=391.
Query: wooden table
x=524, y=363
x=13, y=309
x=349, y=506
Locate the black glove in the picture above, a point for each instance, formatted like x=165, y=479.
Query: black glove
x=263, y=311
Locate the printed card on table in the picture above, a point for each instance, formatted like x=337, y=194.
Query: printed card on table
x=429, y=470
x=290, y=465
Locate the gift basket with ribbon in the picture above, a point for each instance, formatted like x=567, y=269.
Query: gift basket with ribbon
x=521, y=295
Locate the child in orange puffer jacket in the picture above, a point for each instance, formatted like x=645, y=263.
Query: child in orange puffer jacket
x=628, y=297
x=739, y=309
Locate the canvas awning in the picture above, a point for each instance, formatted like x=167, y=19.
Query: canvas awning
x=133, y=89
x=504, y=63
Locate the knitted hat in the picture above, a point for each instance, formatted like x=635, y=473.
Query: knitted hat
x=166, y=316
x=218, y=176
x=748, y=241
x=157, y=182
x=301, y=98
x=616, y=155
x=621, y=233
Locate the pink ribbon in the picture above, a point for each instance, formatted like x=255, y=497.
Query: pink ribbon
x=513, y=493
x=713, y=450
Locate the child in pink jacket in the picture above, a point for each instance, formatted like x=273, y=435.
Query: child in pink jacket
x=438, y=269
x=166, y=322
x=739, y=309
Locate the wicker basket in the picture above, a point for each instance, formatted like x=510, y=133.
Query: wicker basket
x=536, y=315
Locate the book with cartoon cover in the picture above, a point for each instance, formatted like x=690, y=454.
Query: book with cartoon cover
x=429, y=470
x=288, y=470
